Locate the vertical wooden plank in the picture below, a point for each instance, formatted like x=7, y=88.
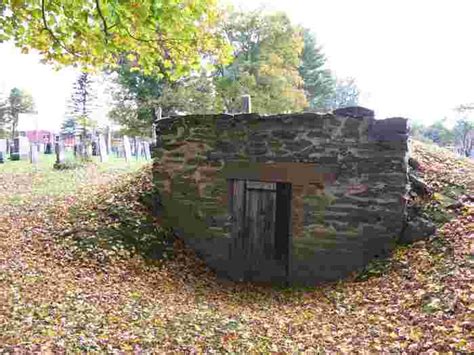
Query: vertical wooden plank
x=237, y=199
x=283, y=224
x=260, y=218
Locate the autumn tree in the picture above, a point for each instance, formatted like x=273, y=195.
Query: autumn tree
x=159, y=37
x=318, y=81
x=136, y=97
x=267, y=50
x=19, y=101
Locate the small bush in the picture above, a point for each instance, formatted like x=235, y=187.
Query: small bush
x=15, y=156
x=68, y=165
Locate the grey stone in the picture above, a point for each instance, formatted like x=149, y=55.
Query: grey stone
x=417, y=229
x=103, y=149
x=146, y=150
x=127, y=149
x=284, y=134
x=355, y=112
x=419, y=186
x=3, y=146
x=59, y=148
x=34, y=154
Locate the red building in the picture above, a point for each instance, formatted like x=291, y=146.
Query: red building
x=40, y=136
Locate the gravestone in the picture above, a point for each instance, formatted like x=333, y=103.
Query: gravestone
x=2, y=157
x=146, y=150
x=127, y=149
x=3, y=146
x=138, y=148
x=21, y=146
x=34, y=154
x=59, y=148
x=95, y=148
x=88, y=150
x=48, y=149
x=109, y=140
x=246, y=104
x=102, y=149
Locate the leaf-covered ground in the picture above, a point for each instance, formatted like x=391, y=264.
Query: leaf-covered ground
x=80, y=273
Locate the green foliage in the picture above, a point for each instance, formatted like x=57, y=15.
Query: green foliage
x=138, y=95
x=439, y=134
x=346, y=93
x=68, y=165
x=82, y=102
x=436, y=133
x=463, y=133
x=267, y=50
x=375, y=268
x=318, y=81
x=160, y=37
x=69, y=126
x=83, y=96
x=19, y=101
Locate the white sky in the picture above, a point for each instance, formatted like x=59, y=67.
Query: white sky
x=410, y=58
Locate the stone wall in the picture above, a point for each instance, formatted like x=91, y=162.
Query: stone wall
x=348, y=174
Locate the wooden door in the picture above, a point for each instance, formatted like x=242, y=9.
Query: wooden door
x=260, y=213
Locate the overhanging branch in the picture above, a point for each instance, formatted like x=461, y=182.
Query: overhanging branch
x=104, y=22
x=51, y=33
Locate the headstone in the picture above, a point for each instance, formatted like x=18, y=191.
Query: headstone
x=3, y=146
x=109, y=140
x=126, y=148
x=21, y=146
x=246, y=104
x=158, y=114
x=138, y=146
x=102, y=149
x=2, y=157
x=48, y=149
x=146, y=150
x=34, y=154
x=59, y=148
x=88, y=150
x=95, y=148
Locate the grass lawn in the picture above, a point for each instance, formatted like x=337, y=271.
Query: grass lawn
x=21, y=181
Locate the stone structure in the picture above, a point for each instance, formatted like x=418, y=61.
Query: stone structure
x=293, y=199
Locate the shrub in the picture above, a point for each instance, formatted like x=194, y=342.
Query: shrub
x=15, y=156
x=68, y=165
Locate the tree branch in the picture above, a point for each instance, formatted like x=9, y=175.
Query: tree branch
x=51, y=33
x=104, y=22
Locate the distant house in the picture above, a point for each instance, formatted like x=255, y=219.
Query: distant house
x=40, y=136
